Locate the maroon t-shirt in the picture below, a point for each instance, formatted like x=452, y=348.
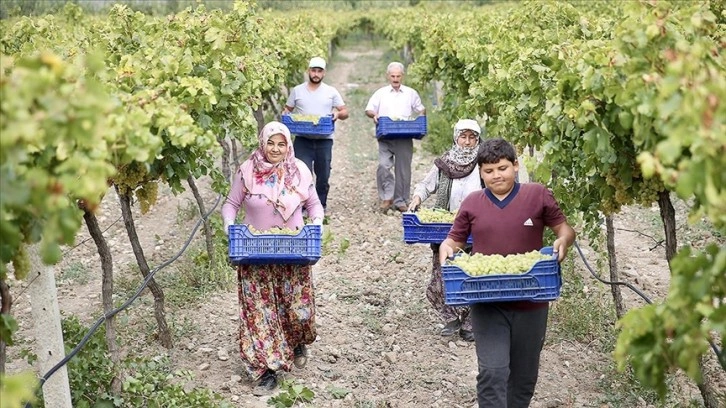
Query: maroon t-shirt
x=511, y=226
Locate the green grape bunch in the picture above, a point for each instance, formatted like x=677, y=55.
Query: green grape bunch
x=298, y=117
x=513, y=264
x=273, y=231
x=21, y=262
x=435, y=215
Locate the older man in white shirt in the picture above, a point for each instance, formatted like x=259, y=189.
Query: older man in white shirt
x=394, y=100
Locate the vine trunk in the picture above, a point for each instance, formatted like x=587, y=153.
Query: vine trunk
x=207, y=227
x=613, y=263
x=159, y=314
x=104, y=254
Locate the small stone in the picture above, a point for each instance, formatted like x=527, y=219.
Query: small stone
x=553, y=403
x=222, y=354
x=236, y=378
x=332, y=375
x=204, y=366
x=390, y=357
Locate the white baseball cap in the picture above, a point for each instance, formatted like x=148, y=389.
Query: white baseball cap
x=316, y=62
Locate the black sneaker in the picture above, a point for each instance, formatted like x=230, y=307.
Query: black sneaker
x=466, y=335
x=451, y=328
x=301, y=357
x=268, y=382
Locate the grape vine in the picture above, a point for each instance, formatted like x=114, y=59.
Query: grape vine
x=624, y=102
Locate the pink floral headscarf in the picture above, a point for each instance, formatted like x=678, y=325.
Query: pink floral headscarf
x=283, y=183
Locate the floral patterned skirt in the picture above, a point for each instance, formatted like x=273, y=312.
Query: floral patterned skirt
x=437, y=298
x=277, y=313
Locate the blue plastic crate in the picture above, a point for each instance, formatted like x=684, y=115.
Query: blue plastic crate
x=324, y=127
x=401, y=129
x=246, y=248
x=417, y=232
x=541, y=283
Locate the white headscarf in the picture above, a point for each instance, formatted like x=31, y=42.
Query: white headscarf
x=460, y=161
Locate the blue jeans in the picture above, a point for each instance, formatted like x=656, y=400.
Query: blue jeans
x=317, y=154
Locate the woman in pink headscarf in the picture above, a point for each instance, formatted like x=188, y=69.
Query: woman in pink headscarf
x=277, y=304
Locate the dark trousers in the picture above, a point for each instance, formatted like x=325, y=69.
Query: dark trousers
x=508, y=346
x=317, y=154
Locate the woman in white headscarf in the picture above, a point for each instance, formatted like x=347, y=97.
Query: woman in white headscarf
x=453, y=176
x=277, y=304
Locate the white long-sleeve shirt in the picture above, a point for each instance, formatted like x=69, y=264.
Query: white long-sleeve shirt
x=460, y=188
x=386, y=101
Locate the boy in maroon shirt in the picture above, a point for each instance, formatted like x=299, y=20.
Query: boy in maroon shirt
x=507, y=218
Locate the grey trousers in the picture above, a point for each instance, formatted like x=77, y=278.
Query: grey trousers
x=394, y=154
x=508, y=346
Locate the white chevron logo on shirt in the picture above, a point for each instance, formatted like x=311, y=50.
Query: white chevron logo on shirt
x=529, y=222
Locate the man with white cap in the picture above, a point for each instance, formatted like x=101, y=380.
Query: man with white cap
x=314, y=97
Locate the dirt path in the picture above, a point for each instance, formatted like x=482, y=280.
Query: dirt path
x=377, y=335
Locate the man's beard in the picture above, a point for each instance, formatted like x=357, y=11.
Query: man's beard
x=315, y=80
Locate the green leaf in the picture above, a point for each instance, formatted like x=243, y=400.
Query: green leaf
x=669, y=151
x=540, y=68
x=667, y=108
x=50, y=252
x=8, y=326
x=18, y=389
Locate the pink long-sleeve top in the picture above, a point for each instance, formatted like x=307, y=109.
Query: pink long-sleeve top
x=261, y=214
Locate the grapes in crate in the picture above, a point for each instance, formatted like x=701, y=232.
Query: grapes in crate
x=480, y=265
x=435, y=215
x=273, y=231
x=298, y=117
